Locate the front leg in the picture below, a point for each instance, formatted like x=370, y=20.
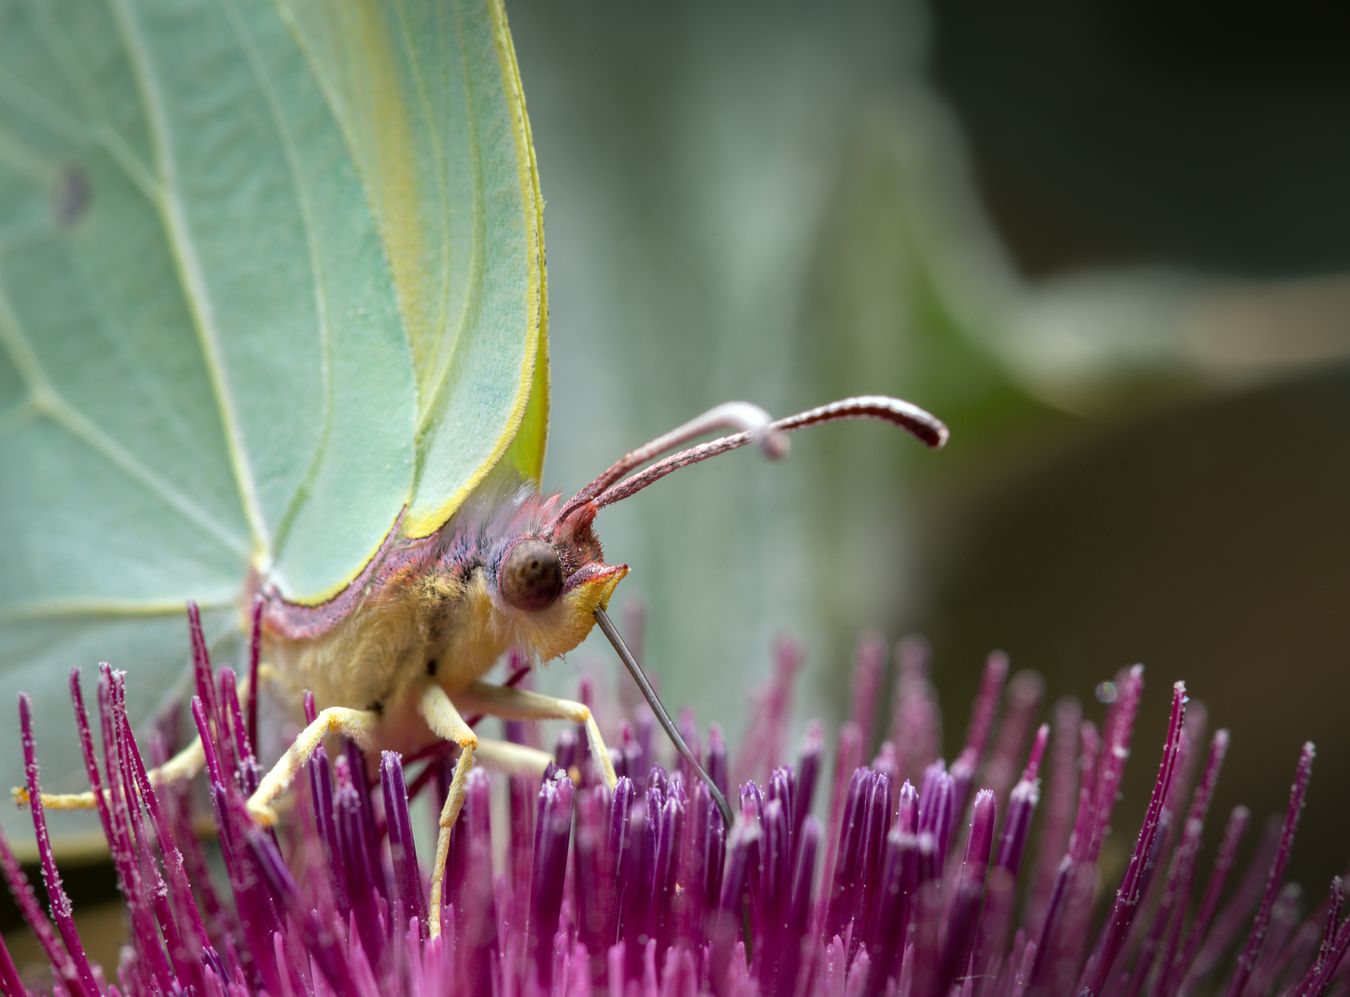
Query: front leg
x=519, y=704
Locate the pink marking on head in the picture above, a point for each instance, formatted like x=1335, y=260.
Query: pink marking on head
x=576, y=522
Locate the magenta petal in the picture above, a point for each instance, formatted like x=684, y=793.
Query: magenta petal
x=890, y=887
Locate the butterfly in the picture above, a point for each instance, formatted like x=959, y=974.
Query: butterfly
x=273, y=332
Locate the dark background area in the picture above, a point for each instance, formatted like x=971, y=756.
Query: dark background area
x=1123, y=132
x=1207, y=539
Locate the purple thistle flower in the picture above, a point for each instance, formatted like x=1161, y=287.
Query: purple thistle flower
x=904, y=876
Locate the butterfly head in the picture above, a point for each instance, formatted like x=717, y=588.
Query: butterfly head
x=549, y=581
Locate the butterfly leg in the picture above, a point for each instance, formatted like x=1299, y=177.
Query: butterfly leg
x=520, y=704
x=179, y=768
x=513, y=759
x=446, y=723
x=359, y=725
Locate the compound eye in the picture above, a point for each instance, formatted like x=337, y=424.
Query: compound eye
x=531, y=575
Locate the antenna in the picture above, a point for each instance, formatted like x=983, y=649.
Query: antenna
x=750, y=420
x=923, y=426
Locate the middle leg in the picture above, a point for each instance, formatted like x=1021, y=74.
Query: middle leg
x=446, y=723
x=520, y=704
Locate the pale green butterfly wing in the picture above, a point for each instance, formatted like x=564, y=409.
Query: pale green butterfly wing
x=461, y=213
x=269, y=274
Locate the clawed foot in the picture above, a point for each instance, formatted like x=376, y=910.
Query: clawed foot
x=262, y=814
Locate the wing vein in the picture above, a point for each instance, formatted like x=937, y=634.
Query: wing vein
x=72, y=130
x=186, y=261
x=339, y=112
x=92, y=104
x=433, y=138
x=24, y=98
x=475, y=268
x=74, y=609
x=44, y=400
x=263, y=80
x=69, y=418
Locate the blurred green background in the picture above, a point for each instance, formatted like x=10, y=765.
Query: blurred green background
x=1106, y=243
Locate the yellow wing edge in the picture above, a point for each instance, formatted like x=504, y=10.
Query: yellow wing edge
x=530, y=411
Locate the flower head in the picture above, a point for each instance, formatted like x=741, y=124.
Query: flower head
x=903, y=875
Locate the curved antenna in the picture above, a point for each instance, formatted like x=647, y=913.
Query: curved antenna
x=924, y=426
x=749, y=420
x=608, y=628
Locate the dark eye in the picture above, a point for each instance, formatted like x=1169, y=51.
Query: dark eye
x=531, y=575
